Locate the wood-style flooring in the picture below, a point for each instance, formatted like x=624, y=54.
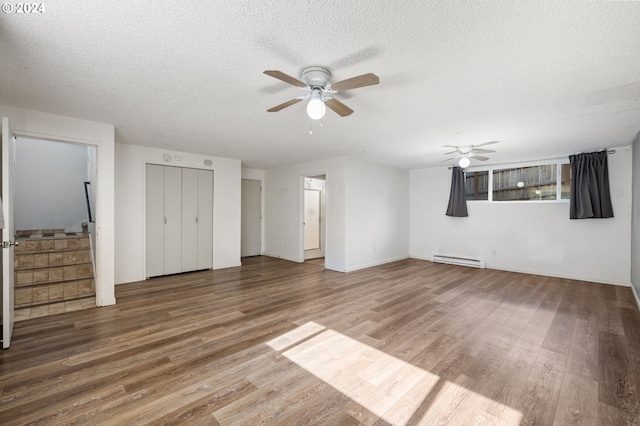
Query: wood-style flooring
x=275, y=342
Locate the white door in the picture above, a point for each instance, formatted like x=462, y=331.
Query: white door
x=250, y=229
x=8, y=233
x=312, y=219
x=189, y=220
x=205, y=219
x=173, y=220
x=155, y=220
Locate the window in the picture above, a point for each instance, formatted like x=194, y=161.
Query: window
x=477, y=185
x=525, y=183
x=528, y=183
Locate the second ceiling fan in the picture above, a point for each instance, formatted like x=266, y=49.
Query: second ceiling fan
x=316, y=82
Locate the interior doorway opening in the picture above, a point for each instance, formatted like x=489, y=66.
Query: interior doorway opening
x=251, y=220
x=314, y=212
x=55, y=189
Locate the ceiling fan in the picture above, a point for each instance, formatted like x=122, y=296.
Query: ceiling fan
x=316, y=82
x=466, y=152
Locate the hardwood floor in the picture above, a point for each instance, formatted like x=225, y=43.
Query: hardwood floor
x=275, y=342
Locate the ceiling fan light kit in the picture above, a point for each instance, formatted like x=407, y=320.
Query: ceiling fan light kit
x=316, y=81
x=467, y=152
x=316, y=108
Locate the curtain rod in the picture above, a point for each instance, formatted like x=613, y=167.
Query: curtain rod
x=609, y=151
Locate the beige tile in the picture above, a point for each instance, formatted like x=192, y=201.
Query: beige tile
x=22, y=314
x=85, y=288
x=83, y=256
x=41, y=276
x=84, y=271
x=84, y=242
x=60, y=244
x=73, y=243
x=40, y=311
x=40, y=295
x=21, y=247
x=70, y=272
x=56, y=293
x=77, y=305
x=23, y=296
x=24, y=277
x=69, y=258
x=55, y=259
x=56, y=274
x=47, y=245
x=57, y=308
x=25, y=261
x=40, y=260
x=70, y=290
x=33, y=245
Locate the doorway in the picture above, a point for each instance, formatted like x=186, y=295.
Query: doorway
x=55, y=206
x=314, y=213
x=251, y=218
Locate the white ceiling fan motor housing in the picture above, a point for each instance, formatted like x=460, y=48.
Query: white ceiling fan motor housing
x=316, y=77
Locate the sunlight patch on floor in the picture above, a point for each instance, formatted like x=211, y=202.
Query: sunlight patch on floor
x=386, y=386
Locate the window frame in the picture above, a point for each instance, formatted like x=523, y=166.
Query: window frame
x=490, y=169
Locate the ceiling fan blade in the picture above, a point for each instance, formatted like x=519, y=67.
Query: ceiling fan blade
x=356, y=82
x=284, y=77
x=338, y=107
x=481, y=151
x=284, y=105
x=479, y=157
x=448, y=159
x=450, y=146
x=449, y=153
x=484, y=144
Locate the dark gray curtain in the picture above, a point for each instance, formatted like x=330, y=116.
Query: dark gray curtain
x=590, y=196
x=457, y=198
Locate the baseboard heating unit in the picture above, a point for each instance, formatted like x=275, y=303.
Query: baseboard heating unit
x=464, y=261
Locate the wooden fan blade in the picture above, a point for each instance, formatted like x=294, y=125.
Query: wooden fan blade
x=284, y=77
x=355, y=82
x=479, y=157
x=284, y=105
x=484, y=144
x=338, y=107
x=481, y=151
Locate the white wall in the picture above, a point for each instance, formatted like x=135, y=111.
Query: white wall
x=367, y=222
x=529, y=237
x=49, y=185
x=130, y=207
x=635, y=222
x=40, y=125
x=377, y=218
x=283, y=211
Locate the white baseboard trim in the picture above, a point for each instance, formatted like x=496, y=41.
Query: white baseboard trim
x=545, y=274
x=106, y=302
x=635, y=295
x=277, y=256
x=376, y=263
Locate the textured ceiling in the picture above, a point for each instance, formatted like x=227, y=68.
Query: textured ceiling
x=546, y=78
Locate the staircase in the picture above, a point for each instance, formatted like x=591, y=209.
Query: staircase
x=53, y=273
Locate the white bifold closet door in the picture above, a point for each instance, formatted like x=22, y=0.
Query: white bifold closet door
x=179, y=220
